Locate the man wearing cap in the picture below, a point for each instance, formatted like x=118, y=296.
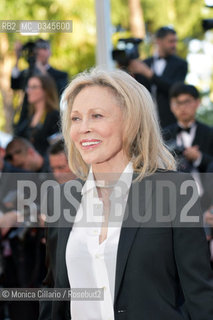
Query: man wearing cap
x=159, y=72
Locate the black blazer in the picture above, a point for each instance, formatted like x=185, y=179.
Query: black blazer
x=163, y=270
x=203, y=138
x=39, y=135
x=175, y=71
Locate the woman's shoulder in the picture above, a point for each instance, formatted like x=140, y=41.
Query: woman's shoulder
x=172, y=175
x=168, y=178
x=164, y=174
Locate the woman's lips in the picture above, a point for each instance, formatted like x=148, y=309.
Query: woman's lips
x=87, y=144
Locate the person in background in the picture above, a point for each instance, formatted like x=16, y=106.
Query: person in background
x=59, y=163
x=22, y=252
x=160, y=71
x=5, y=166
x=62, y=174
x=43, y=114
x=22, y=154
x=9, y=175
x=115, y=146
x=24, y=260
x=8, y=182
x=190, y=139
x=42, y=53
x=39, y=54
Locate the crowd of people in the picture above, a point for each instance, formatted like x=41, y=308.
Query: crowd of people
x=118, y=131
x=28, y=156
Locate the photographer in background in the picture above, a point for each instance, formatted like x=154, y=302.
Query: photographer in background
x=190, y=140
x=127, y=49
x=37, y=54
x=159, y=72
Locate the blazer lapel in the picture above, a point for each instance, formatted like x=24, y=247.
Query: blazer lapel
x=198, y=139
x=173, y=132
x=169, y=63
x=150, y=61
x=130, y=226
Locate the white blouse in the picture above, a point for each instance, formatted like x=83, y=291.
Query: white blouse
x=90, y=264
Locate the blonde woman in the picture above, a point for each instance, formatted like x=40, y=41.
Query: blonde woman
x=146, y=266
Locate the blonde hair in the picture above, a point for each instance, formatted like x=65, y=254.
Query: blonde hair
x=142, y=139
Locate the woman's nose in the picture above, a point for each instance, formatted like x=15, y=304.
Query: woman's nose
x=85, y=126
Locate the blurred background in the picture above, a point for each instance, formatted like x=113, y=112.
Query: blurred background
x=75, y=52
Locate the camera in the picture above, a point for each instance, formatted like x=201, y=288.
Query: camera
x=126, y=50
x=29, y=53
x=177, y=151
x=207, y=24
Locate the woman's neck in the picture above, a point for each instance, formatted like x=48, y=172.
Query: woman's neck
x=109, y=173
x=38, y=113
x=39, y=106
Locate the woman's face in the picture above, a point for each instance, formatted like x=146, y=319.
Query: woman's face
x=97, y=128
x=35, y=92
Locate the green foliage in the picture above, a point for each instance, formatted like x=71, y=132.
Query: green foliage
x=119, y=13
x=72, y=52
x=184, y=15
x=205, y=115
x=76, y=51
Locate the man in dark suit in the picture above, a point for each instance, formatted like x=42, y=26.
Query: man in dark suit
x=159, y=72
x=41, y=53
x=191, y=140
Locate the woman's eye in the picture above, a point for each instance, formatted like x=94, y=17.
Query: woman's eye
x=97, y=115
x=75, y=118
